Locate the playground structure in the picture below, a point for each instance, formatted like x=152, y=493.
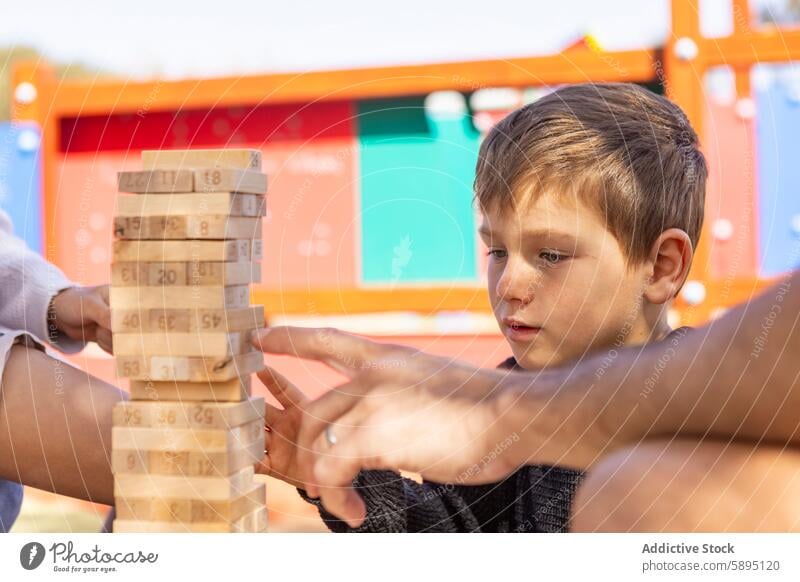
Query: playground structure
x=370, y=193
x=370, y=175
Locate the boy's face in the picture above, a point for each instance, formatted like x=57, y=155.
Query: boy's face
x=558, y=282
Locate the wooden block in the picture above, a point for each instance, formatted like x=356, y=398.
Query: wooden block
x=184, y=369
x=242, y=159
x=234, y=390
x=188, y=297
x=167, y=438
x=186, y=250
x=200, y=226
x=216, y=180
x=190, y=510
x=208, y=180
x=196, y=415
x=207, y=488
x=191, y=203
x=186, y=320
x=187, y=462
x=255, y=522
x=166, y=343
x=156, y=181
x=186, y=273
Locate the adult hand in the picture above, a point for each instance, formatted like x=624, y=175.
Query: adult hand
x=399, y=409
x=83, y=314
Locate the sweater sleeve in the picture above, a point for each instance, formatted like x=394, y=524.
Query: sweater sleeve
x=29, y=283
x=397, y=504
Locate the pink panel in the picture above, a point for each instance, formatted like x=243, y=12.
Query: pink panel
x=729, y=143
x=312, y=222
x=86, y=191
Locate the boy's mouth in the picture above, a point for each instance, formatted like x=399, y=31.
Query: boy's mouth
x=518, y=331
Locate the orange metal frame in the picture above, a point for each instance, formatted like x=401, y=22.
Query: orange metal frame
x=682, y=77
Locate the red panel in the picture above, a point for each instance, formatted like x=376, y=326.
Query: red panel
x=730, y=196
x=207, y=128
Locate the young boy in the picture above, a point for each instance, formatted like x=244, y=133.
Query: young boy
x=592, y=202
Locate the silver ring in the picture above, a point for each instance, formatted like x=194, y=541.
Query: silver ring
x=330, y=438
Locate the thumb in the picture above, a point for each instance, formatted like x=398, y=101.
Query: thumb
x=282, y=389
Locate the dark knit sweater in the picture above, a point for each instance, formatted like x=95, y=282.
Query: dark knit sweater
x=536, y=498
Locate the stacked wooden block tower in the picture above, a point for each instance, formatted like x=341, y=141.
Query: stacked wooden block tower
x=188, y=242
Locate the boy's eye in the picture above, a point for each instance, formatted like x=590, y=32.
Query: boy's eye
x=497, y=253
x=552, y=257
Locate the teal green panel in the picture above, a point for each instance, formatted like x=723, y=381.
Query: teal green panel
x=417, y=218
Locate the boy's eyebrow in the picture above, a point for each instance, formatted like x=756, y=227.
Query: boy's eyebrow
x=540, y=233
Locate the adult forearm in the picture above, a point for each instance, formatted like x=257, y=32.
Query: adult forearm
x=736, y=377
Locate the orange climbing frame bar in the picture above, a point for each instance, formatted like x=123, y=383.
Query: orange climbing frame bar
x=681, y=76
x=75, y=98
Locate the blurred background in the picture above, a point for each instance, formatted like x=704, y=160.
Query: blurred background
x=369, y=119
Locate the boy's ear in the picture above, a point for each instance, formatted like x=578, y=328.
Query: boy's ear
x=670, y=257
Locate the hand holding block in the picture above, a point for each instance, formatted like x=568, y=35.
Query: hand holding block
x=209, y=180
x=187, y=250
x=191, y=510
x=200, y=226
x=186, y=320
x=198, y=415
x=183, y=204
x=234, y=390
x=186, y=273
x=242, y=159
x=194, y=371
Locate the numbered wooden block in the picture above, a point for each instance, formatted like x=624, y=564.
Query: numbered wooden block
x=243, y=159
x=167, y=486
x=156, y=181
x=201, y=226
x=208, y=180
x=187, y=273
x=189, y=297
x=191, y=204
x=187, y=462
x=217, y=180
x=203, y=344
x=191, y=510
x=186, y=320
x=187, y=250
x=185, y=415
x=234, y=390
x=198, y=371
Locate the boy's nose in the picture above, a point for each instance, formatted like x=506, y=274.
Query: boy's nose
x=517, y=284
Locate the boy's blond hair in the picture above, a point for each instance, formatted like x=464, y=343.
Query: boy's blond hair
x=627, y=152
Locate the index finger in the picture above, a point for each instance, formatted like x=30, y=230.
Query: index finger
x=344, y=352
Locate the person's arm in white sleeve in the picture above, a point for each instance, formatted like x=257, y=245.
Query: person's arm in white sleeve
x=36, y=296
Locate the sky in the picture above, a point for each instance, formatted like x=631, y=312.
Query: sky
x=181, y=38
